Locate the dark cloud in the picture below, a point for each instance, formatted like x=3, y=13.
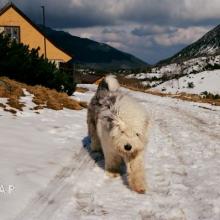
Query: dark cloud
x=150, y=29
x=66, y=13
x=172, y=12
x=87, y=13
x=112, y=31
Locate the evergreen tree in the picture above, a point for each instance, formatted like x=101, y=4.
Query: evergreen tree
x=18, y=62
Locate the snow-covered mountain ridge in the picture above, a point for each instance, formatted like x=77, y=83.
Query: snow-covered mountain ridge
x=160, y=74
x=203, y=55
x=209, y=44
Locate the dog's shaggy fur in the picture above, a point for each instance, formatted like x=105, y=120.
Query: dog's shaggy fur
x=117, y=125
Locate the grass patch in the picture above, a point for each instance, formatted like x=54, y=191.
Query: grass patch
x=132, y=83
x=188, y=97
x=81, y=89
x=12, y=90
x=43, y=97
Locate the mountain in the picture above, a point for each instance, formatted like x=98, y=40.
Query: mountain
x=209, y=44
x=91, y=53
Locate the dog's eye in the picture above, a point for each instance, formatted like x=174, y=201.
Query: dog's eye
x=137, y=134
x=122, y=132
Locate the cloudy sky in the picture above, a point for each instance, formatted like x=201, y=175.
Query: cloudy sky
x=149, y=29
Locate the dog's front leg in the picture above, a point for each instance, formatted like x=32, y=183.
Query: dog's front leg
x=136, y=174
x=112, y=164
x=95, y=143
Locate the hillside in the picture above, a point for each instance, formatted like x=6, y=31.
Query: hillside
x=207, y=81
x=209, y=44
x=93, y=54
x=159, y=74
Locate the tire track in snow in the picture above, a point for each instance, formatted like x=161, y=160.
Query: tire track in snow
x=182, y=146
x=171, y=173
x=58, y=191
x=200, y=124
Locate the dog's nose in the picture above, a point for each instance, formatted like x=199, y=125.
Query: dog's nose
x=127, y=147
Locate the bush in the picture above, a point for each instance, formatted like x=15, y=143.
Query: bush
x=209, y=95
x=18, y=62
x=212, y=66
x=190, y=85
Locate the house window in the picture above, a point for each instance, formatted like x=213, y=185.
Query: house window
x=12, y=31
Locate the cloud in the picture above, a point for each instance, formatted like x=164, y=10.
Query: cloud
x=145, y=28
x=198, y=10
x=182, y=36
x=159, y=44
x=87, y=13
x=113, y=30
x=172, y=12
x=69, y=13
x=152, y=30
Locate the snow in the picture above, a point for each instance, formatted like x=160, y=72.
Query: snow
x=205, y=81
x=144, y=75
x=46, y=158
x=191, y=66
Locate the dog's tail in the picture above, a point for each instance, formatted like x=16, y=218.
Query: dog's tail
x=109, y=83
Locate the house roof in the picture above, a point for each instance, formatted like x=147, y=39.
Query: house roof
x=12, y=5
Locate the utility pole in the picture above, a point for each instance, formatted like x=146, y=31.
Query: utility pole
x=45, y=43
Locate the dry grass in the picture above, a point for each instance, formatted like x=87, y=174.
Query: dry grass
x=14, y=102
x=187, y=97
x=132, y=83
x=43, y=97
x=81, y=89
x=12, y=90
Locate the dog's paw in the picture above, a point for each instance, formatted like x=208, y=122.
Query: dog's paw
x=111, y=174
x=139, y=188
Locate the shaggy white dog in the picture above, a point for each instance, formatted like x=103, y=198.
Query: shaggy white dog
x=117, y=125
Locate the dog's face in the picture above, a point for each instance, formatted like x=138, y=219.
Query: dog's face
x=128, y=139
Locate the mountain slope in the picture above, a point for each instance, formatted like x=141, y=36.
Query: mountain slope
x=209, y=44
x=91, y=53
x=193, y=84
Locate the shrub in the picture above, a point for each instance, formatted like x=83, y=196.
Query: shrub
x=209, y=95
x=212, y=66
x=18, y=62
x=190, y=85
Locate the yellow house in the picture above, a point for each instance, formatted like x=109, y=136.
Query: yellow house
x=20, y=28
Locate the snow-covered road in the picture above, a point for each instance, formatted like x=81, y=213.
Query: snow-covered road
x=46, y=157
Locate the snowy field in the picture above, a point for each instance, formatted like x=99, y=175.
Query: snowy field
x=205, y=81
x=45, y=161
